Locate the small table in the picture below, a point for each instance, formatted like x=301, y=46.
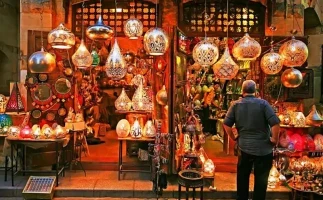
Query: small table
x=42, y=142
x=120, y=163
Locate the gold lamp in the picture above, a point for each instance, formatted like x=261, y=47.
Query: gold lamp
x=294, y=52
x=246, y=49
x=116, y=67
x=271, y=63
x=61, y=38
x=140, y=99
x=123, y=102
x=291, y=78
x=133, y=28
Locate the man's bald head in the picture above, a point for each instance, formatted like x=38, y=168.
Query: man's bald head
x=248, y=87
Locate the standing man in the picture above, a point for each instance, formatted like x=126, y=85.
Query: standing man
x=258, y=132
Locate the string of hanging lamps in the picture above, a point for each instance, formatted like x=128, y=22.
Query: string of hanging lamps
x=99, y=31
x=226, y=68
x=271, y=63
x=41, y=61
x=133, y=27
x=116, y=67
x=204, y=52
x=156, y=41
x=82, y=58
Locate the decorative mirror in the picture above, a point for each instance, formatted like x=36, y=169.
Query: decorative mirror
x=42, y=95
x=62, y=88
x=31, y=81
x=42, y=77
x=62, y=111
x=50, y=116
x=36, y=113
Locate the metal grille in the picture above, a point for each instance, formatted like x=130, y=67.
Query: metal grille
x=143, y=10
x=39, y=185
x=243, y=18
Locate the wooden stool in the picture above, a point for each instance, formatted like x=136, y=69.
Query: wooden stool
x=190, y=179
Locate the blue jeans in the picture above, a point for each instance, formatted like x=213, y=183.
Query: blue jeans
x=262, y=166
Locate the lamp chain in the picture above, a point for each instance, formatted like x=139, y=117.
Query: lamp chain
x=133, y=8
x=205, y=19
x=272, y=28
x=115, y=19
x=41, y=24
x=156, y=13
x=100, y=8
x=227, y=23
x=83, y=20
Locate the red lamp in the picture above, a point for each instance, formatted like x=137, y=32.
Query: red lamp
x=26, y=132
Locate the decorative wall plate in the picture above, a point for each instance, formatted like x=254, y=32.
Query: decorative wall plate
x=42, y=95
x=31, y=81
x=36, y=113
x=62, y=111
x=42, y=77
x=50, y=116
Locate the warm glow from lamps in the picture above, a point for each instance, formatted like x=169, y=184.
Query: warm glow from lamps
x=14, y=131
x=205, y=53
x=246, y=49
x=156, y=42
x=116, y=67
x=61, y=38
x=99, y=31
x=271, y=63
x=149, y=129
x=26, y=132
x=225, y=68
x=140, y=99
x=82, y=58
x=136, y=131
x=208, y=167
x=273, y=178
x=123, y=128
x=133, y=28
x=41, y=62
x=291, y=78
x=294, y=53
x=123, y=103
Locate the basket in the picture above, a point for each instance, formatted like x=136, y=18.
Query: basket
x=190, y=178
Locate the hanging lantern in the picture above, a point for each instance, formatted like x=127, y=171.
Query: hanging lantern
x=99, y=31
x=5, y=123
x=314, y=118
x=133, y=28
x=82, y=57
x=156, y=42
x=298, y=119
x=140, y=99
x=208, y=167
x=116, y=65
x=205, y=53
x=123, y=128
x=271, y=63
x=291, y=78
x=61, y=38
x=294, y=53
x=136, y=129
x=13, y=131
x=246, y=48
x=149, y=129
x=225, y=68
x=41, y=62
x=161, y=96
x=123, y=102
x=273, y=178
x=26, y=132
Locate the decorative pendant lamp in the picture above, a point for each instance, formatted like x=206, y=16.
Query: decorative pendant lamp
x=136, y=131
x=99, y=31
x=294, y=52
x=314, y=118
x=161, y=96
x=156, y=41
x=123, y=103
x=246, y=49
x=41, y=61
x=205, y=53
x=149, y=129
x=226, y=68
x=61, y=38
x=82, y=57
x=123, y=128
x=133, y=28
x=140, y=99
x=291, y=78
x=116, y=67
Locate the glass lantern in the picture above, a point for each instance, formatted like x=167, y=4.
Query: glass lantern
x=123, y=128
x=123, y=103
x=133, y=28
x=298, y=119
x=5, y=123
x=205, y=53
x=116, y=67
x=14, y=131
x=273, y=178
x=136, y=131
x=271, y=63
x=149, y=129
x=225, y=68
x=246, y=49
x=294, y=53
x=61, y=38
x=26, y=132
x=140, y=99
x=156, y=41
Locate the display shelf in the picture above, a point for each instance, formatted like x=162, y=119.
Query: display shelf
x=133, y=112
x=293, y=152
x=289, y=126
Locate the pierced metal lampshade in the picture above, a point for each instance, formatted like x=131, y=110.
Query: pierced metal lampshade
x=271, y=63
x=136, y=131
x=123, y=102
x=61, y=38
x=205, y=53
x=41, y=62
x=156, y=42
x=291, y=78
x=133, y=28
x=140, y=99
x=116, y=67
x=225, y=68
x=149, y=129
x=99, y=31
x=294, y=53
x=246, y=48
x=82, y=58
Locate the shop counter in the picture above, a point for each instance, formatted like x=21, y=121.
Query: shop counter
x=15, y=143
x=120, y=163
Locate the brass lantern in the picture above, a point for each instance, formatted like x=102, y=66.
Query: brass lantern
x=99, y=31
x=294, y=53
x=41, y=62
x=61, y=38
x=291, y=78
x=271, y=63
x=82, y=58
x=140, y=99
x=246, y=48
x=123, y=102
x=133, y=28
x=116, y=67
x=205, y=53
x=225, y=68
x=156, y=41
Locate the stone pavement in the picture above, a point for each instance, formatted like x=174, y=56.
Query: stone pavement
x=132, y=185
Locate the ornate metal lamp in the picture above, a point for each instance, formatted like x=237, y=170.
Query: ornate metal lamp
x=271, y=63
x=294, y=52
x=61, y=38
x=116, y=67
x=123, y=102
x=133, y=28
x=246, y=49
x=123, y=128
x=291, y=78
x=140, y=99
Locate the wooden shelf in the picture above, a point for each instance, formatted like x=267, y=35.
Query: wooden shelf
x=288, y=126
x=133, y=112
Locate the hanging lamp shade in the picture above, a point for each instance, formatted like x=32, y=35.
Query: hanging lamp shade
x=41, y=62
x=82, y=58
x=246, y=48
x=205, y=53
x=61, y=38
x=99, y=31
x=294, y=53
x=116, y=67
x=156, y=42
x=133, y=28
x=225, y=68
x=140, y=99
x=149, y=129
x=123, y=102
x=291, y=78
x=271, y=63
